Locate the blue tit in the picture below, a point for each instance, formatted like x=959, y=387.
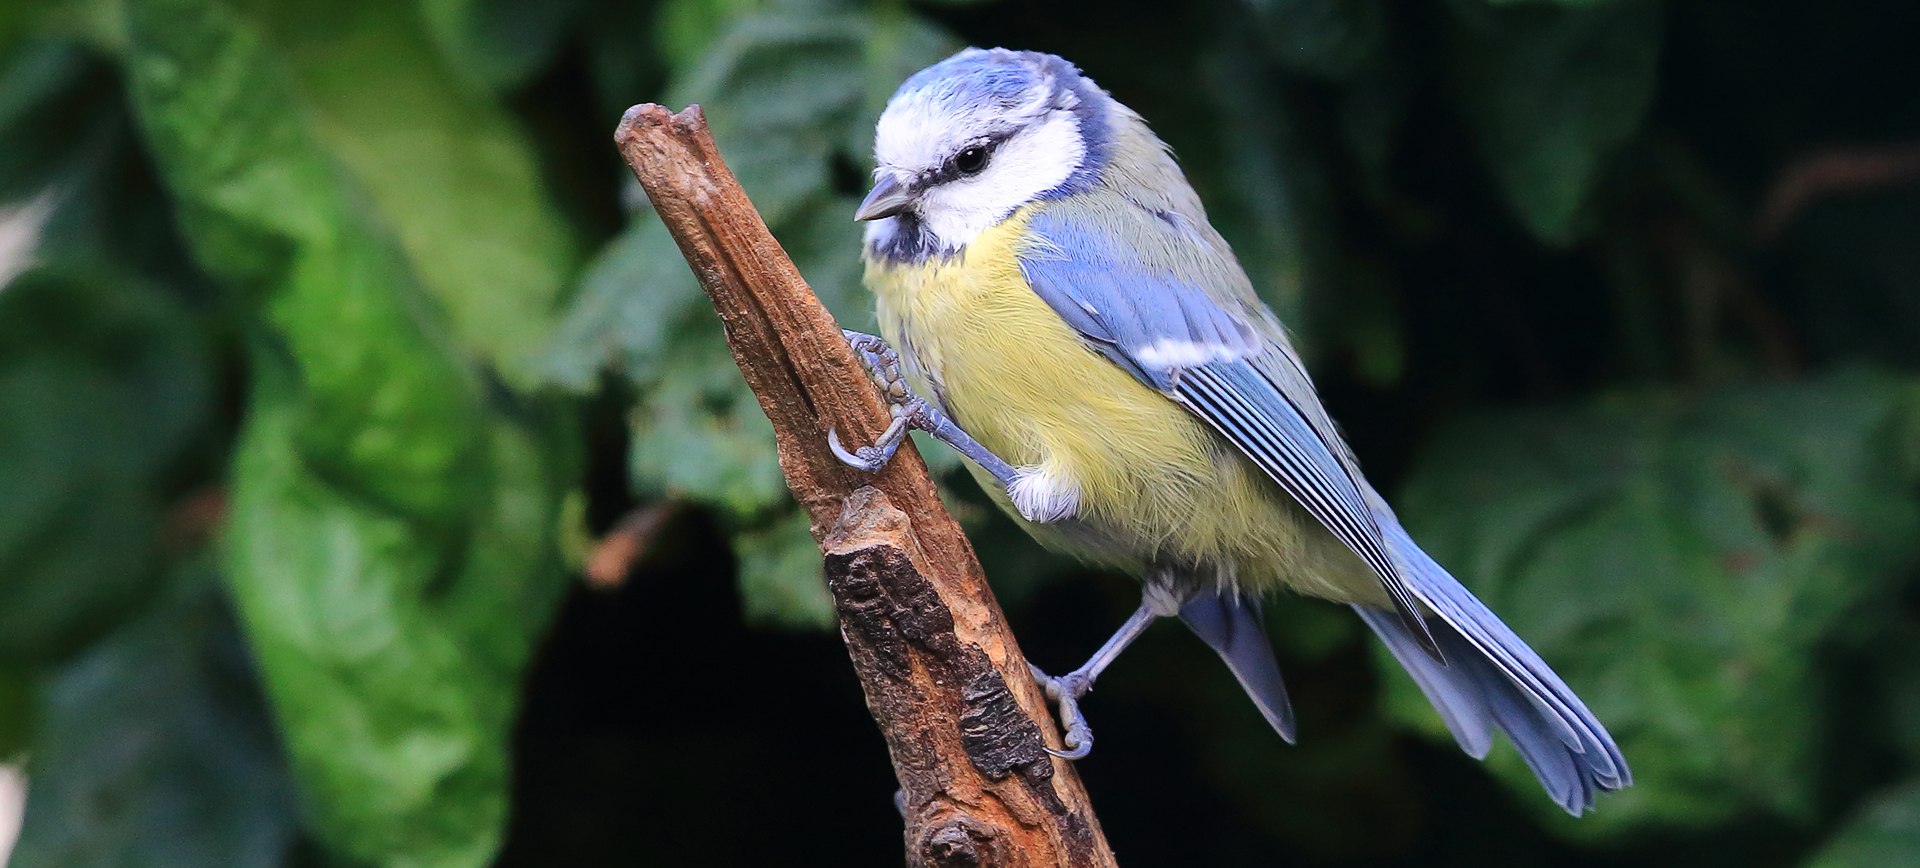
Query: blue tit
x=1064, y=314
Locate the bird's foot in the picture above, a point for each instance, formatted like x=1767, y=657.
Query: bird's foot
x=909, y=411
x=1066, y=691
x=882, y=364
x=872, y=458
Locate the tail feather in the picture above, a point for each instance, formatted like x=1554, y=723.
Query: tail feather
x=1461, y=703
x=1490, y=678
x=1232, y=627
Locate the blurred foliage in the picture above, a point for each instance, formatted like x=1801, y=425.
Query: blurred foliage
x=1713, y=542
x=84, y=352
x=343, y=326
x=165, y=708
x=1550, y=94
x=1887, y=832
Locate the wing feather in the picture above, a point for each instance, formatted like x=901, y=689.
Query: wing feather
x=1250, y=412
x=1183, y=319
x=1181, y=335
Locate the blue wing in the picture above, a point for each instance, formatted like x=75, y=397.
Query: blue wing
x=1158, y=293
x=1219, y=354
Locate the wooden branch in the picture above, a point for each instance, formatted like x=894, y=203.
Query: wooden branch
x=964, y=722
x=1833, y=172
x=623, y=546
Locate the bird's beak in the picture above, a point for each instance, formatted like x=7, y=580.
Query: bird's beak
x=888, y=197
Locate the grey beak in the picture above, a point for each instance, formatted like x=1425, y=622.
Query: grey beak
x=889, y=197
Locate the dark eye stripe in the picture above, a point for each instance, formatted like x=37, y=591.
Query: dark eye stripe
x=956, y=167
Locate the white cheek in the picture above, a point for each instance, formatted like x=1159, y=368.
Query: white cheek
x=1031, y=163
x=879, y=232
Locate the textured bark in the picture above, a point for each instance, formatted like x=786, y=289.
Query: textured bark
x=964, y=722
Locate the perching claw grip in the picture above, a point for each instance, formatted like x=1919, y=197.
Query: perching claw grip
x=909, y=411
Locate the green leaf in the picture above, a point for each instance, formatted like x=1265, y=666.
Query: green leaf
x=1551, y=93
x=449, y=172
x=636, y=294
x=155, y=749
x=392, y=550
x=13, y=24
x=781, y=583
x=698, y=432
x=34, y=130
x=1678, y=560
x=1886, y=831
x=775, y=85
x=685, y=29
x=392, y=651
x=106, y=380
x=786, y=93
x=498, y=44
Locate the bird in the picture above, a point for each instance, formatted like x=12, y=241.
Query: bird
x=1054, y=303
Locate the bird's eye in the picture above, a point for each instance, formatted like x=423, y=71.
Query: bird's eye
x=970, y=161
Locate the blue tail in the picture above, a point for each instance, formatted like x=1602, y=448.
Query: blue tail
x=1492, y=679
x=1231, y=626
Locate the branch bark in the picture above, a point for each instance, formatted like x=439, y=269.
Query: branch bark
x=964, y=722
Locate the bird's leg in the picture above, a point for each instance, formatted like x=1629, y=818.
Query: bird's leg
x=1067, y=689
x=909, y=411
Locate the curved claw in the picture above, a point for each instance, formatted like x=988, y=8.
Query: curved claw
x=1078, y=737
x=1066, y=690
x=1080, y=751
x=863, y=459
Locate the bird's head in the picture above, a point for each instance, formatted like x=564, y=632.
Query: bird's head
x=966, y=141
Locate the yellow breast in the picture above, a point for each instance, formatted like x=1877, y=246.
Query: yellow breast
x=1162, y=485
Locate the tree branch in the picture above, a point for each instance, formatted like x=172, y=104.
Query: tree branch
x=964, y=722
x=1830, y=172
